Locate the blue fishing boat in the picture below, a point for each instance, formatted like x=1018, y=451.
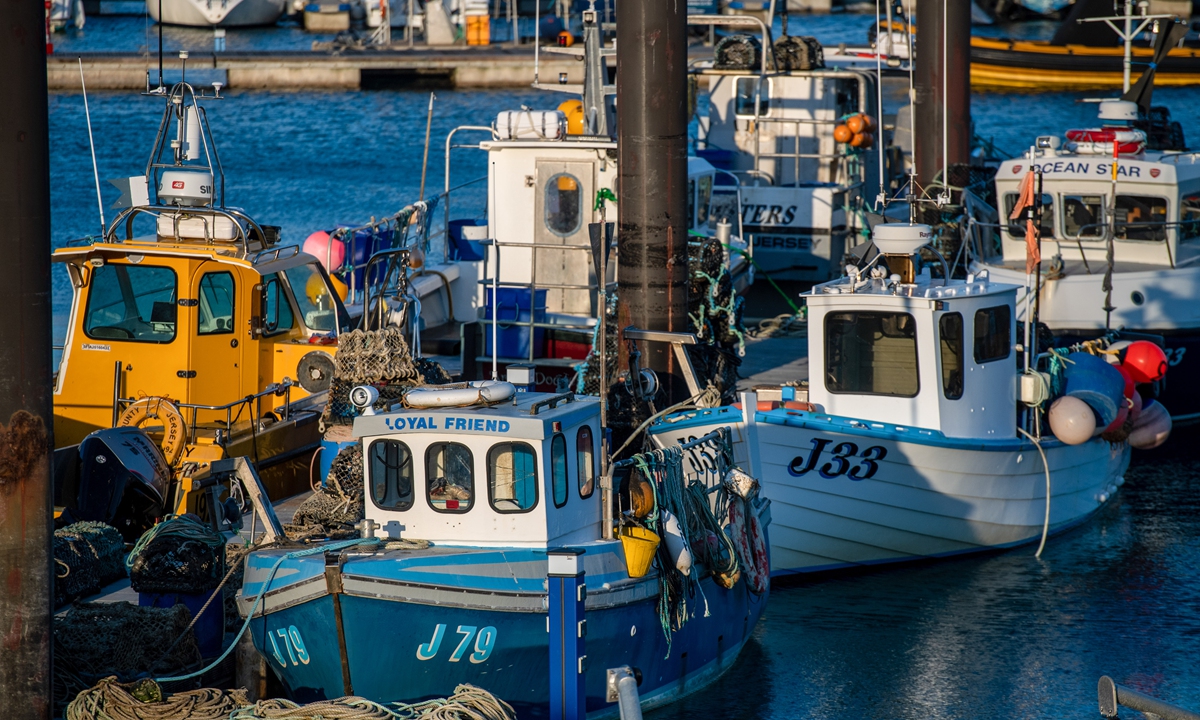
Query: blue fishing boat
x=467, y=489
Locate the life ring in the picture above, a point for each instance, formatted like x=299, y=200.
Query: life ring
x=746, y=532
x=482, y=392
x=1100, y=141
x=160, y=409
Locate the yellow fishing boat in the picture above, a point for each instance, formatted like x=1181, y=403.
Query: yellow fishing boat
x=1000, y=64
x=190, y=321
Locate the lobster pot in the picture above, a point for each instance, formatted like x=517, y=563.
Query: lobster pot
x=531, y=125
x=515, y=307
x=210, y=623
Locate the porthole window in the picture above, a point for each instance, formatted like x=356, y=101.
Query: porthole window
x=512, y=477
x=563, y=204
x=391, y=475
x=449, y=477
x=558, y=469
x=585, y=458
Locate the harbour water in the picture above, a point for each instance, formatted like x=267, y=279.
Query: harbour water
x=1005, y=635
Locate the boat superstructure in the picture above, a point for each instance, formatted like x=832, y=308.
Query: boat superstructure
x=216, y=13
x=1139, y=207
x=190, y=319
x=908, y=440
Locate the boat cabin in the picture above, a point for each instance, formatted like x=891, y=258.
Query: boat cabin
x=891, y=344
x=519, y=473
x=1154, y=219
x=800, y=188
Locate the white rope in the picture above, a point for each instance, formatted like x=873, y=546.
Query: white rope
x=1046, y=466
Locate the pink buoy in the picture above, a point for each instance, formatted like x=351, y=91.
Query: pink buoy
x=1152, y=427
x=1072, y=420
x=1137, y=406
x=329, y=252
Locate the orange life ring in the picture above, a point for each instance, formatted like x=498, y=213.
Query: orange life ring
x=746, y=532
x=156, y=410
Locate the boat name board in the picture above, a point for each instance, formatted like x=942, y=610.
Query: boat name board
x=1075, y=167
x=841, y=462
x=417, y=422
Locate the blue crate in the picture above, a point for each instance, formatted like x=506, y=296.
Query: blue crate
x=513, y=309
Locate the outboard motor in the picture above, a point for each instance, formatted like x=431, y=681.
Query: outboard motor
x=122, y=480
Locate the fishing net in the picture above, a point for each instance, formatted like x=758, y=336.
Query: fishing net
x=334, y=509
x=380, y=358
x=235, y=560
x=179, y=555
x=738, y=52
x=99, y=639
x=799, y=53
x=88, y=556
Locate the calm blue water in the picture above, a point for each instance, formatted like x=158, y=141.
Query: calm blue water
x=1003, y=636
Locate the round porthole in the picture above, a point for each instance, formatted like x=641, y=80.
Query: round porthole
x=1137, y=297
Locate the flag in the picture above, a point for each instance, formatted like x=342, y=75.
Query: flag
x=1032, y=255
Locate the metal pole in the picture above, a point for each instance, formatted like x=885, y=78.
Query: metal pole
x=567, y=628
x=1113, y=696
x=652, y=166
x=1127, y=37
x=26, y=493
x=950, y=21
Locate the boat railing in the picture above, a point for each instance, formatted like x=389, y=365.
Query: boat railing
x=1112, y=697
x=847, y=161
x=225, y=430
x=447, y=188
x=239, y=220
x=489, y=281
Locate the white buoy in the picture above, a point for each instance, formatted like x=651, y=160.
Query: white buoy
x=1072, y=420
x=672, y=533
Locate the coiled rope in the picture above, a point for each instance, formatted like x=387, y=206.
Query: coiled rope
x=467, y=703
x=110, y=700
x=187, y=527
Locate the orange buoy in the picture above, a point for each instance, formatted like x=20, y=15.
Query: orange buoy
x=842, y=134
x=862, y=140
x=857, y=124
x=573, y=109
x=870, y=122
x=565, y=39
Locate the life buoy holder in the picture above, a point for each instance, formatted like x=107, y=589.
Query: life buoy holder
x=1099, y=141
x=155, y=409
x=481, y=392
x=748, y=539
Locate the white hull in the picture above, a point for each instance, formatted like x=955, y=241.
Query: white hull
x=923, y=501
x=217, y=13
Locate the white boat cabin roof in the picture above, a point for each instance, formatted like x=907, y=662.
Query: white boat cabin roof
x=520, y=473
x=915, y=351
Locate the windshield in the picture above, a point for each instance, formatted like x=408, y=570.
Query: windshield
x=319, y=307
x=131, y=302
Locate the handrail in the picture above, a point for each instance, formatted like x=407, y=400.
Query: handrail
x=446, y=191
x=1112, y=696
x=283, y=388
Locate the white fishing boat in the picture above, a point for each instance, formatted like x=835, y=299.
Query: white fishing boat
x=216, y=13
x=918, y=435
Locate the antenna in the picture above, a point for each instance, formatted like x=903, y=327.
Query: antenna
x=912, y=116
x=495, y=280
x=537, y=36
x=160, y=46
x=881, y=198
x=95, y=172
x=944, y=196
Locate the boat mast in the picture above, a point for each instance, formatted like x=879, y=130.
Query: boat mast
x=1128, y=33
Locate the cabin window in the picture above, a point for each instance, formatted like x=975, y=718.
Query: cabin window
x=1017, y=227
x=1189, y=217
x=950, y=339
x=391, y=475
x=563, y=204
x=871, y=353
x=1083, y=216
x=318, y=307
x=449, y=477
x=512, y=477
x=585, y=458
x=216, y=304
x=992, y=333
x=1140, y=217
x=131, y=302
x=743, y=103
x=277, y=315
x=704, y=185
x=558, y=469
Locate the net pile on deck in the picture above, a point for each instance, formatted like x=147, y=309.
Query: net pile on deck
x=87, y=556
x=181, y=554
x=333, y=509
x=380, y=358
x=146, y=700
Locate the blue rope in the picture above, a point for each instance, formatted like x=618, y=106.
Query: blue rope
x=340, y=545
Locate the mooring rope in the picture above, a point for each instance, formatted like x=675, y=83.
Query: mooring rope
x=1046, y=523
x=467, y=703
x=110, y=700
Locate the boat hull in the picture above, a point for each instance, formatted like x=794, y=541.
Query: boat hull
x=1031, y=65
x=872, y=495
x=217, y=13
x=417, y=623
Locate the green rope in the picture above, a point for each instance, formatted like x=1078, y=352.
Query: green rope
x=748, y=256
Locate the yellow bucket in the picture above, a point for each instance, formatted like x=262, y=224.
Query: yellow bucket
x=640, y=545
